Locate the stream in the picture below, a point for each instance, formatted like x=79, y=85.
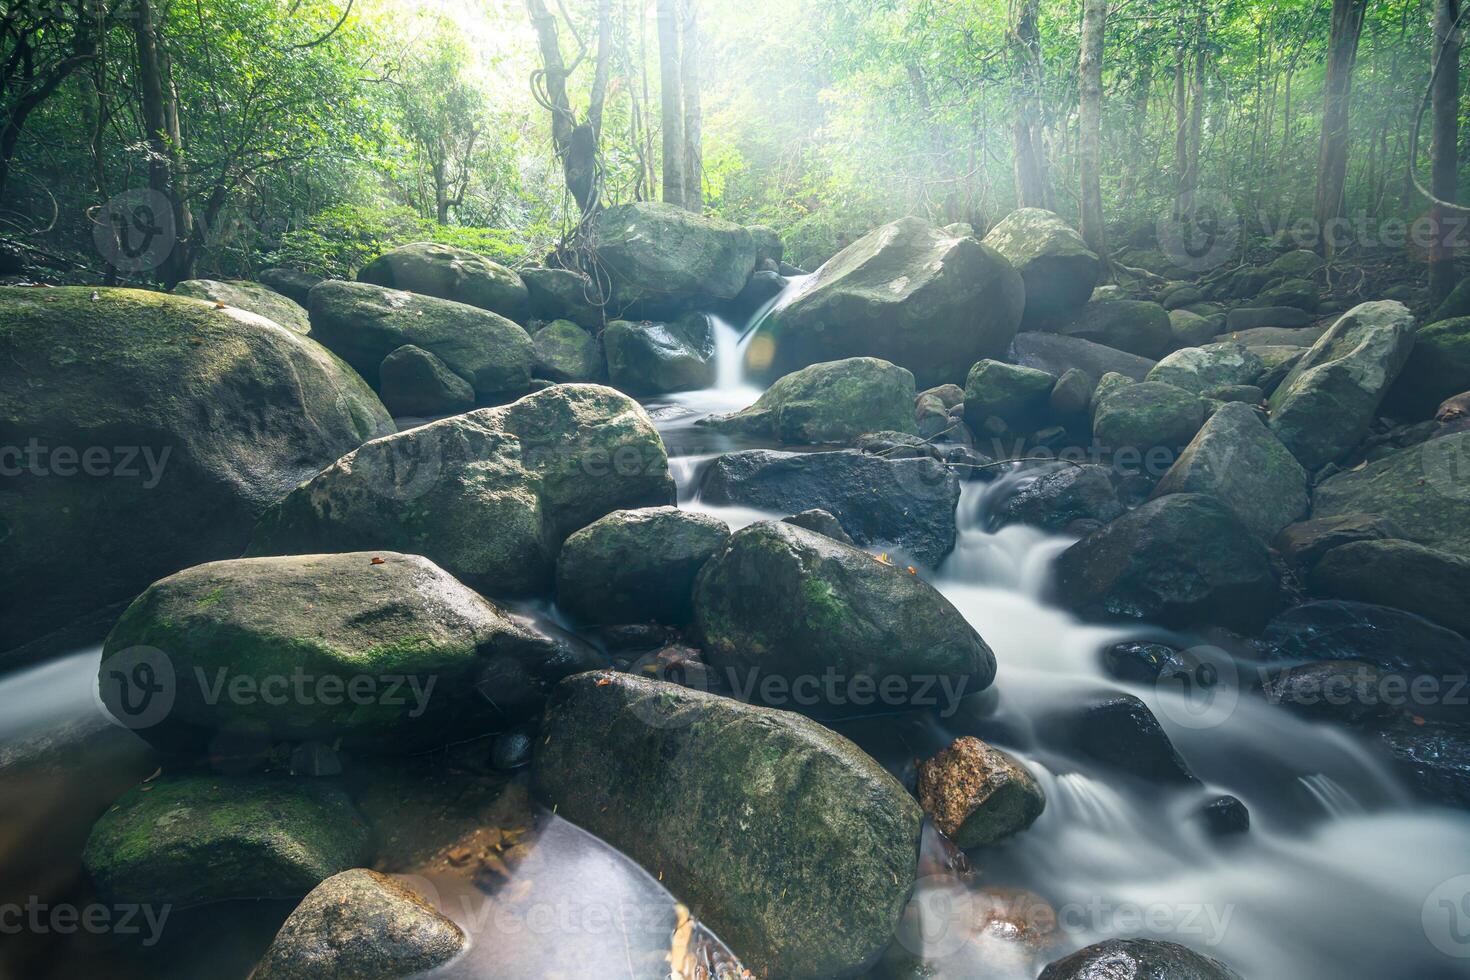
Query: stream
x=1336, y=877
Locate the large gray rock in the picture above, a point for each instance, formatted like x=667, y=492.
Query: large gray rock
x=149, y=431
x=1424, y=490
x=364, y=323
x=1236, y=459
x=392, y=653
x=294, y=284
x=907, y=505
x=363, y=925
x=1020, y=396
x=633, y=566
x=664, y=260
x=1056, y=354
x=190, y=840
x=1137, y=959
x=1146, y=416
x=1064, y=497
x=654, y=358
x=251, y=297
x=1135, y=326
x=415, y=382
x=1431, y=583
x=565, y=353
x=557, y=294
x=490, y=495
x=451, y=273
x=1438, y=368
x=1326, y=403
x=832, y=402
x=699, y=789
x=1058, y=268
x=783, y=602
x=907, y=293
x=1179, y=560
x=1198, y=369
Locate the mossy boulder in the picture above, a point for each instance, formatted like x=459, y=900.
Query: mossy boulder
x=633, y=566
x=1060, y=498
x=908, y=293
x=648, y=358
x=151, y=432
x=294, y=284
x=832, y=402
x=1147, y=415
x=1058, y=268
x=1236, y=459
x=1198, y=369
x=1135, y=326
x=190, y=840
x=567, y=353
x=1057, y=354
x=1424, y=490
x=1020, y=396
x=364, y=323
x=489, y=495
x=362, y=925
x=1299, y=263
x=1326, y=403
x=251, y=297
x=1293, y=293
x=1193, y=330
x=781, y=601
x=978, y=794
x=1179, y=560
x=698, y=789
x=374, y=649
x=1438, y=368
x=559, y=294
x=664, y=260
x=1402, y=574
x=451, y=273
x=413, y=381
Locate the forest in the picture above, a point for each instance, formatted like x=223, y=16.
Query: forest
x=713, y=490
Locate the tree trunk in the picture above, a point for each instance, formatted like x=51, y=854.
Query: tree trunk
x=1181, y=132
x=161, y=126
x=693, y=113
x=1444, y=147
x=1337, y=87
x=671, y=100
x=1025, y=47
x=1089, y=117
x=575, y=146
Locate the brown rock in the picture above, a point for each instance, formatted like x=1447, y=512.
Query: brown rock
x=978, y=794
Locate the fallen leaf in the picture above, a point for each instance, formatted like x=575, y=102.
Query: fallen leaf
x=377, y=561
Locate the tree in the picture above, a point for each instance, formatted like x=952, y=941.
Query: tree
x=671, y=102
x=1444, y=144
x=1337, y=87
x=575, y=143
x=693, y=114
x=1089, y=117
x=1025, y=53
x=160, y=114
x=442, y=112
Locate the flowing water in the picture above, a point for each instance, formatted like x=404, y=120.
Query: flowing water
x=1341, y=875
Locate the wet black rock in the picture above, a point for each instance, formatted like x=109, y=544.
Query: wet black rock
x=1062, y=496
x=1303, y=544
x=1345, y=691
x=1432, y=583
x=1224, y=816
x=1433, y=758
x=1142, y=662
x=1120, y=731
x=819, y=520
x=1137, y=959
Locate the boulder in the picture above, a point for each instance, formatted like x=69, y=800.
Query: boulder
x=1106, y=385
x=1392, y=640
x=149, y=431
x=1191, y=329
x=1180, y=296
x=374, y=649
x=907, y=293
x=451, y=273
x=415, y=382
x=1056, y=354
x=1299, y=263
x=361, y=924
x=565, y=353
x=1144, y=663
x=1056, y=265
x=663, y=260
x=978, y=794
x=1295, y=294
x=1182, y=559
x=698, y=789
x=1346, y=692
x=1236, y=460
x=1245, y=394
x=294, y=284
x=488, y=496
x=1147, y=415
x=934, y=409
x=1438, y=368
x=768, y=244
x=558, y=294
x=190, y=840
x=1020, y=396
x=1062, y=497
x=1135, y=326
x=832, y=402
x=822, y=522
x=1071, y=396
x=907, y=505
x=251, y=297
x=1199, y=369
x=1326, y=403
x=1434, y=759
x=1402, y=574
x=1423, y=490
x=1137, y=959
x=1252, y=319
x=632, y=566
x=1256, y=337
x=1224, y=816
x=364, y=323
x=655, y=358
x=1121, y=732
x=783, y=602
x=1304, y=544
